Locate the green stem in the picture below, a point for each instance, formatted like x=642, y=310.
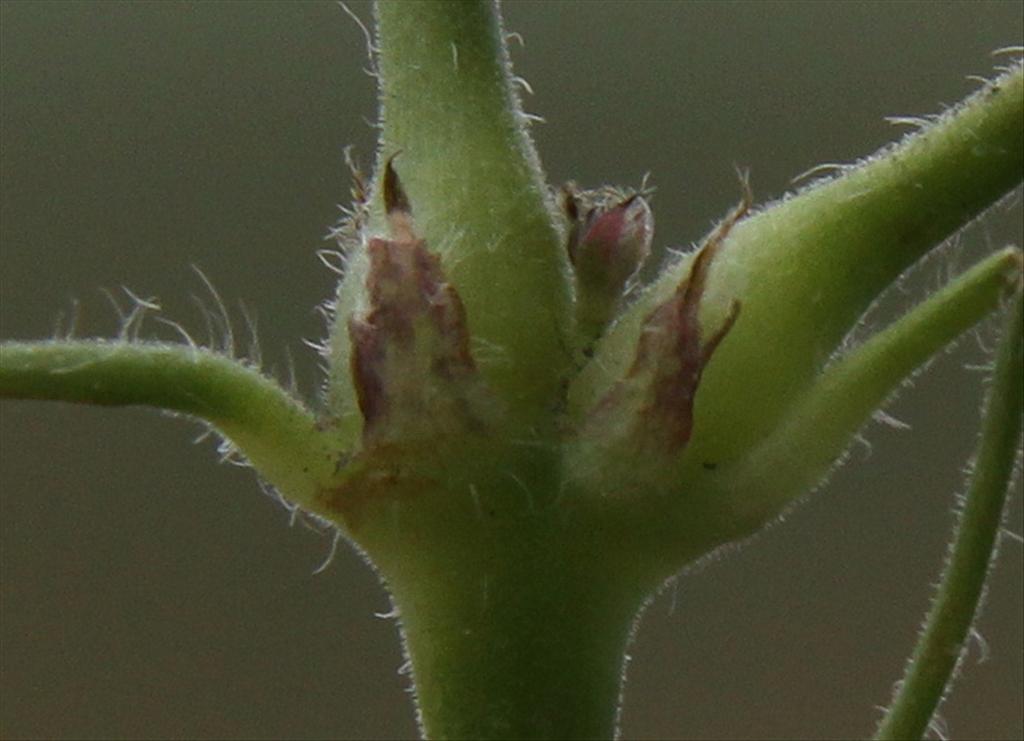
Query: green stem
x=956, y=606
x=807, y=268
x=515, y=624
x=822, y=424
x=450, y=112
x=275, y=432
x=519, y=655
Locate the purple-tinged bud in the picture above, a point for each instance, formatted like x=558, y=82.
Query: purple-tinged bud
x=608, y=243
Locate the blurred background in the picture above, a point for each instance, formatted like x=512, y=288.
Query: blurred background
x=149, y=593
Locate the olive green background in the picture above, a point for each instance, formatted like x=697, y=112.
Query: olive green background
x=147, y=592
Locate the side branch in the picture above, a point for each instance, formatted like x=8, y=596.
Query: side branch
x=822, y=424
x=274, y=431
x=941, y=644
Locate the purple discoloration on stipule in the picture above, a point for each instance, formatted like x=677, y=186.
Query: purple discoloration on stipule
x=407, y=294
x=657, y=394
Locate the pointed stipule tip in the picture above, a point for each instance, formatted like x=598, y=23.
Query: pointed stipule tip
x=395, y=199
x=396, y=205
x=569, y=201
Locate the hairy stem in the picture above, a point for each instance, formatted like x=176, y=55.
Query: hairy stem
x=807, y=268
x=822, y=424
x=940, y=646
x=275, y=432
x=450, y=113
x=518, y=644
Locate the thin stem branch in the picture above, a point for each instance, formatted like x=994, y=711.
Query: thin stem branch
x=823, y=423
x=275, y=432
x=956, y=605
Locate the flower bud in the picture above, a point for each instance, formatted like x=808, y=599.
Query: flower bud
x=607, y=246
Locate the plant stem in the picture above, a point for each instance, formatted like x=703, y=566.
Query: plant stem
x=515, y=625
x=820, y=258
x=956, y=605
x=450, y=112
x=534, y=655
x=822, y=423
x=275, y=432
